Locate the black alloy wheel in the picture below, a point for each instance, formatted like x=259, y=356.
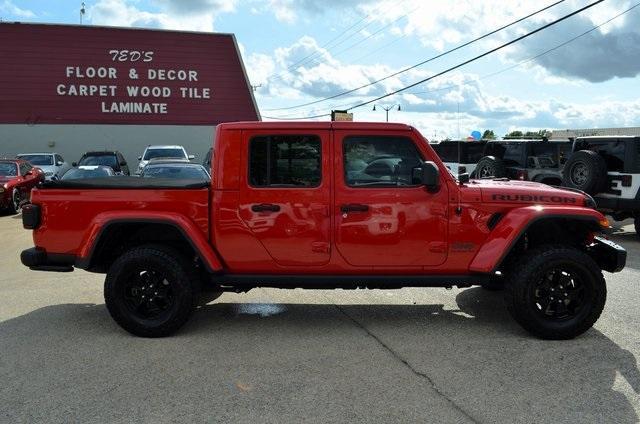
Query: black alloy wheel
x=559, y=294
x=147, y=293
x=151, y=290
x=555, y=292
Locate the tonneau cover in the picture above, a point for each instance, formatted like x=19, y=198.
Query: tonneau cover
x=126, y=182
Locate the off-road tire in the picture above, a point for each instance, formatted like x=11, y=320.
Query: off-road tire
x=532, y=267
x=586, y=171
x=490, y=167
x=170, y=265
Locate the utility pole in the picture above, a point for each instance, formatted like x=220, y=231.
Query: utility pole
x=82, y=11
x=255, y=87
x=387, y=109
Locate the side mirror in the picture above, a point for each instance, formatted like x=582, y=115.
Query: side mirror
x=428, y=175
x=28, y=173
x=191, y=157
x=462, y=169
x=59, y=163
x=139, y=157
x=74, y=163
x=123, y=163
x=463, y=178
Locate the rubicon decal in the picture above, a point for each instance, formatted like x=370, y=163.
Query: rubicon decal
x=532, y=198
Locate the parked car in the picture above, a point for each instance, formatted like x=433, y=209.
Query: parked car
x=527, y=160
x=460, y=156
x=17, y=178
x=175, y=168
x=154, y=152
x=88, y=171
x=281, y=211
x=113, y=159
x=52, y=164
x=607, y=167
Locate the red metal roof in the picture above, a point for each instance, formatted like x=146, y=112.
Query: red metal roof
x=83, y=74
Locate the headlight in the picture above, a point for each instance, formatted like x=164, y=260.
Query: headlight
x=1, y=189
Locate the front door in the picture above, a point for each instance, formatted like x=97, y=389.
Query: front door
x=286, y=195
x=383, y=217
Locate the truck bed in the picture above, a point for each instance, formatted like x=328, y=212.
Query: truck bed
x=71, y=210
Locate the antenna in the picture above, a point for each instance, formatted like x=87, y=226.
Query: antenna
x=82, y=11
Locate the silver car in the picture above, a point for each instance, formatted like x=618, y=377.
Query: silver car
x=52, y=164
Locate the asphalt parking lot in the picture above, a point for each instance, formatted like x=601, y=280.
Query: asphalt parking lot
x=411, y=355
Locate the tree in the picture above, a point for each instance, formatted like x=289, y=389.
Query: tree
x=488, y=135
x=514, y=134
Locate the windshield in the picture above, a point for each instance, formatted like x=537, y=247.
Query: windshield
x=8, y=169
x=175, y=171
x=106, y=160
x=38, y=160
x=75, y=173
x=164, y=153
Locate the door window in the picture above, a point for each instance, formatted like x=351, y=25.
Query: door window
x=285, y=161
x=375, y=161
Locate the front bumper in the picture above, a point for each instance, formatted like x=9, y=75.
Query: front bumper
x=39, y=260
x=609, y=255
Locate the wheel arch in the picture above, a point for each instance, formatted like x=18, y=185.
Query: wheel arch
x=109, y=237
x=534, y=225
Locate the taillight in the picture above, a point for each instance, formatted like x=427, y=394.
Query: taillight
x=522, y=175
x=30, y=216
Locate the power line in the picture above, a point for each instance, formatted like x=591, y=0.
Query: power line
x=348, y=107
x=344, y=93
x=500, y=47
x=493, y=74
x=310, y=56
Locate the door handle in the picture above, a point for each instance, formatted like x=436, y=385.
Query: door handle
x=354, y=207
x=265, y=207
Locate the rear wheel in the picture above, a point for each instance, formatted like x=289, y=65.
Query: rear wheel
x=151, y=291
x=558, y=292
x=586, y=171
x=490, y=167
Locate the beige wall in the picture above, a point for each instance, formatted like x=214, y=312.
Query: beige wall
x=73, y=140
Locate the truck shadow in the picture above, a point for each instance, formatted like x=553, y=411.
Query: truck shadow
x=474, y=355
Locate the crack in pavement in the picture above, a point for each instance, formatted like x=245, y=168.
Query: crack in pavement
x=410, y=367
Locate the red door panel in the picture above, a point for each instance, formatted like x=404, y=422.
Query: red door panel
x=291, y=221
x=386, y=226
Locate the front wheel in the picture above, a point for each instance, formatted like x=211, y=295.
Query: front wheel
x=558, y=292
x=151, y=291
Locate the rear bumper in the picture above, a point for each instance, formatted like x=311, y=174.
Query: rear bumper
x=39, y=260
x=610, y=256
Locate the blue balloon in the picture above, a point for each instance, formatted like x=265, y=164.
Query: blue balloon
x=476, y=135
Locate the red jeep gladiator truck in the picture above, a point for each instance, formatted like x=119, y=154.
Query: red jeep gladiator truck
x=324, y=205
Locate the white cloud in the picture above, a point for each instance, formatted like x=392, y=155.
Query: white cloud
x=11, y=9
x=192, y=15
x=432, y=106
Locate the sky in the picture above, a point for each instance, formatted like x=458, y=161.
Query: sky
x=302, y=51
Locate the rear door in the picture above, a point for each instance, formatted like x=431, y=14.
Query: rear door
x=382, y=217
x=286, y=191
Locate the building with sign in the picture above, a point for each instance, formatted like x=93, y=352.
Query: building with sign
x=70, y=89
